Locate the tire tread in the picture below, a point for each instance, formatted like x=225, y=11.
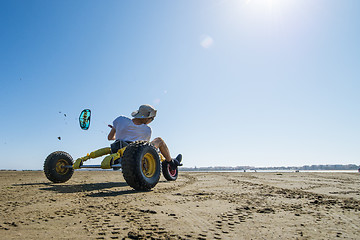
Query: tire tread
x=131, y=169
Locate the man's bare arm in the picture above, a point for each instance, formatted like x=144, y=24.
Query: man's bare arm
x=112, y=132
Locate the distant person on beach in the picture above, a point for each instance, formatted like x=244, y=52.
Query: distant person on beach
x=125, y=130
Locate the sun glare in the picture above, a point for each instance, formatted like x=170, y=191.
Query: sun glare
x=270, y=4
x=268, y=10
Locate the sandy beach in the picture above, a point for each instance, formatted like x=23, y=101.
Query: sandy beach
x=100, y=205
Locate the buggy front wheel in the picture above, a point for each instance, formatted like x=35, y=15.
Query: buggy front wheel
x=54, y=167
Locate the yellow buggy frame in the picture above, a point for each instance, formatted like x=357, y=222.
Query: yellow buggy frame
x=140, y=162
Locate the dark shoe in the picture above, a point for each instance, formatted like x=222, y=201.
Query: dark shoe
x=179, y=159
x=175, y=162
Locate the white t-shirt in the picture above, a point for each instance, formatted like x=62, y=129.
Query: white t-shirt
x=126, y=130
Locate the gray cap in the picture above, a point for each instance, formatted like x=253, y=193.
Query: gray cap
x=145, y=111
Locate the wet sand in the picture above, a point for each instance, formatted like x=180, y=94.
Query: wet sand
x=100, y=205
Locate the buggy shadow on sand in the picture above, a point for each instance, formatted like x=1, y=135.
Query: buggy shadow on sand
x=140, y=162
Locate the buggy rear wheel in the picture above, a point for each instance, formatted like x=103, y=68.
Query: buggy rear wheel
x=141, y=165
x=54, y=167
x=169, y=174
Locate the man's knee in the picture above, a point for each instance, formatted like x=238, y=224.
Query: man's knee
x=157, y=142
x=158, y=139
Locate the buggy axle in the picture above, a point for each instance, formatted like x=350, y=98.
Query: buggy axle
x=92, y=166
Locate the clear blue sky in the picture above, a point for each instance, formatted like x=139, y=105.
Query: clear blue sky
x=235, y=82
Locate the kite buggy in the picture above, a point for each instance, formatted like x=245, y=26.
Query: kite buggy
x=140, y=162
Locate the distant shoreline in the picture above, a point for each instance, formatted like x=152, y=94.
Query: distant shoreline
x=215, y=171
x=306, y=168
x=274, y=171
x=338, y=167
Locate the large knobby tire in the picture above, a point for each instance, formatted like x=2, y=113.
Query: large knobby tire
x=53, y=167
x=141, y=165
x=169, y=174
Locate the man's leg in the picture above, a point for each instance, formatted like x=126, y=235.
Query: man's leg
x=160, y=144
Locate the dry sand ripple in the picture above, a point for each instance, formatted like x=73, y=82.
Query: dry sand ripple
x=100, y=205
